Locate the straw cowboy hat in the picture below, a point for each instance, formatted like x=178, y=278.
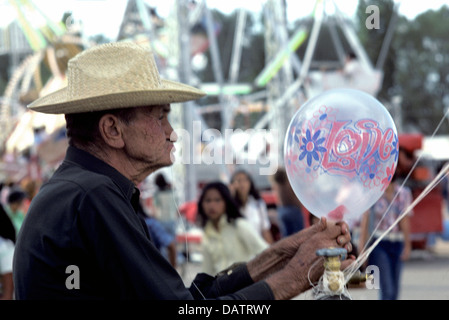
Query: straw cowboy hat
x=112, y=76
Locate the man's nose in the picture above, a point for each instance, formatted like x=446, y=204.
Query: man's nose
x=173, y=136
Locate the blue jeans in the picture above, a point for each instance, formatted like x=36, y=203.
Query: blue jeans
x=291, y=220
x=387, y=257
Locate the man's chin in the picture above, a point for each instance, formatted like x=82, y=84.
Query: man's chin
x=172, y=158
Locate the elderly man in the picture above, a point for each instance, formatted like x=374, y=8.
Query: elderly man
x=82, y=237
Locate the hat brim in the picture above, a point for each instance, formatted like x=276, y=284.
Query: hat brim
x=170, y=92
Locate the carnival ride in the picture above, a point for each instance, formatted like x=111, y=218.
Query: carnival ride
x=42, y=71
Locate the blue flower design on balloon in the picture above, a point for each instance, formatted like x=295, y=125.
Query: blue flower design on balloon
x=311, y=147
x=395, y=151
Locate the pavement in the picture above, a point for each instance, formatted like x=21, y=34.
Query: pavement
x=425, y=276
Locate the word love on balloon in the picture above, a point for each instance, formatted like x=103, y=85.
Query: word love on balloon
x=340, y=153
x=346, y=149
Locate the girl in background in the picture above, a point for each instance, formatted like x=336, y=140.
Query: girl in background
x=228, y=238
x=251, y=205
x=395, y=247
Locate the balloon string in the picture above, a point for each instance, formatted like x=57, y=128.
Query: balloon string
x=186, y=243
x=310, y=269
x=404, y=182
x=352, y=269
x=321, y=289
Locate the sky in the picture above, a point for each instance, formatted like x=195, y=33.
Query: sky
x=105, y=16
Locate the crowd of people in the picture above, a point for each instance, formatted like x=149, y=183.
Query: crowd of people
x=14, y=201
x=233, y=216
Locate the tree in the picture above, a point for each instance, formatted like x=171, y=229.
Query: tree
x=417, y=65
x=373, y=39
x=4, y=64
x=423, y=69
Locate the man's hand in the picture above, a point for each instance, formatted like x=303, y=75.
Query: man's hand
x=279, y=254
x=289, y=246
x=304, y=266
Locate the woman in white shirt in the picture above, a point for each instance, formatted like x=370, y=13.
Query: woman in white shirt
x=251, y=205
x=228, y=238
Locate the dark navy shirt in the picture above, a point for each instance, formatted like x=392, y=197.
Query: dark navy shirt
x=85, y=216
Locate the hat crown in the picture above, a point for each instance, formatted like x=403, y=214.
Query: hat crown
x=122, y=66
x=111, y=76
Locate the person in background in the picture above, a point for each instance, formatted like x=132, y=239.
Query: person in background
x=7, y=241
x=30, y=187
x=251, y=205
x=352, y=67
x=15, y=200
x=6, y=187
x=163, y=240
x=289, y=207
x=164, y=205
x=395, y=247
x=228, y=237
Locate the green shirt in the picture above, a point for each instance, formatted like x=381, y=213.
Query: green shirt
x=16, y=218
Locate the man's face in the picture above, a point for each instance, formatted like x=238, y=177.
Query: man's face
x=147, y=138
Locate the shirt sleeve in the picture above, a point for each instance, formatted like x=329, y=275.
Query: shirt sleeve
x=232, y=284
x=207, y=264
x=6, y=255
x=406, y=200
x=262, y=206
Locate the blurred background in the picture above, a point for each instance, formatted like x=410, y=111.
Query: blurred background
x=258, y=62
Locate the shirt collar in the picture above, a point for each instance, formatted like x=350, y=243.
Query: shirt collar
x=94, y=164
x=210, y=229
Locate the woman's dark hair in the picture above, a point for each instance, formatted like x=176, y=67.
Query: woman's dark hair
x=16, y=196
x=7, y=230
x=161, y=183
x=231, y=209
x=352, y=55
x=252, y=189
x=82, y=128
x=280, y=176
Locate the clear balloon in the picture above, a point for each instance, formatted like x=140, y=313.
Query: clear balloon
x=340, y=153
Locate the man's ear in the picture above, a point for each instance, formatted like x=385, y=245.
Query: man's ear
x=111, y=131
